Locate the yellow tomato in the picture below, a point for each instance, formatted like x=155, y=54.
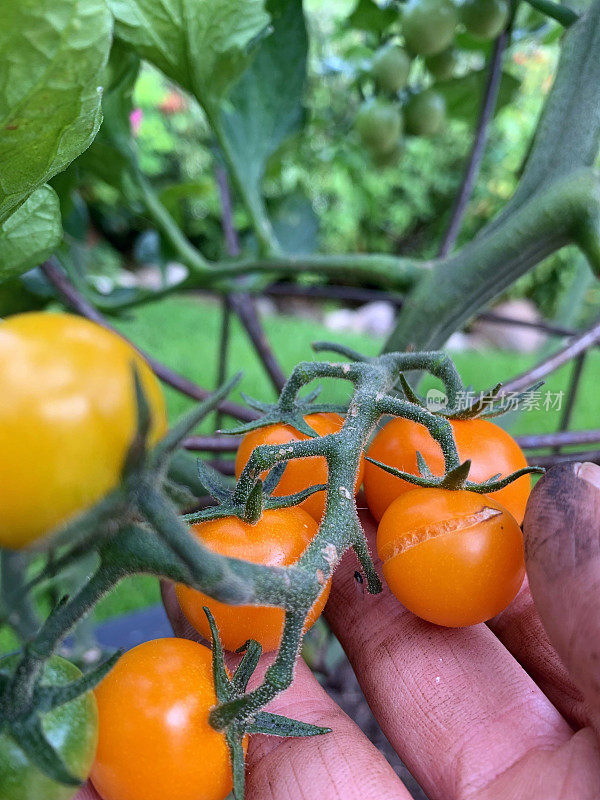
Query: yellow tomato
x=67, y=419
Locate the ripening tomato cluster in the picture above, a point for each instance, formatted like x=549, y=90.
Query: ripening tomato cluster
x=454, y=558
x=398, y=105
x=67, y=418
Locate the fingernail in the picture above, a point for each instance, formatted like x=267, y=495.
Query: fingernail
x=589, y=472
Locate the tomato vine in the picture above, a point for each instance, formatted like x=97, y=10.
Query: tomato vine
x=138, y=529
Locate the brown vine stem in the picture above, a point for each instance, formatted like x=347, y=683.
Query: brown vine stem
x=224, y=349
x=215, y=444
x=562, y=458
x=241, y=302
x=77, y=302
x=245, y=307
x=560, y=439
x=576, y=346
x=231, y=236
x=486, y=113
x=574, y=384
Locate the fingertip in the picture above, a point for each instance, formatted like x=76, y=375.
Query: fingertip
x=562, y=553
x=561, y=520
x=87, y=793
x=588, y=471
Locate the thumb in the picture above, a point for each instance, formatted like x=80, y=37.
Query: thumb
x=562, y=553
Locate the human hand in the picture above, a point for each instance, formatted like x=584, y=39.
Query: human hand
x=498, y=712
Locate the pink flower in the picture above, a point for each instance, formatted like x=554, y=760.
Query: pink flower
x=135, y=119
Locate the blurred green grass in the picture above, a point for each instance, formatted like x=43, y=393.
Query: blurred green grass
x=183, y=332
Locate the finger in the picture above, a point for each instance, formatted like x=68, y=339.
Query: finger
x=521, y=631
x=179, y=622
x=342, y=764
x=88, y=793
x=453, y=702
x=562, y=552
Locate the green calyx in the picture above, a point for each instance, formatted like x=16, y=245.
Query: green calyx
x=231, y=692
x=456, y=478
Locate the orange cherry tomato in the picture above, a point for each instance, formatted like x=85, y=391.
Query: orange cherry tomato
x=155, y=738
x=67, y=418
x=300, y=473
x=490, y=449
x=278, y=539
x=452, y=558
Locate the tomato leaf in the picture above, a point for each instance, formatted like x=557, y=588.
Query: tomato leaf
x=274, y=476
x=368, y=16
x=53, y=55
x=296, y=224
x=202, y=46
x=30, y=234
x=466, y=41
x=277, y=725
x=459, y=94
x=266, y=105
x=113, y=154
x=214, y=482
x=247, y=665
x=223, y=686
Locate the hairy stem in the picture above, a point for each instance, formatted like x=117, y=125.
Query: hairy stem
x=567, y=212
x=253, y=203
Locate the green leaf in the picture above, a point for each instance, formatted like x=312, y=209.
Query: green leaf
x=213, y=481
x=113, y=155
x=276, y=725
x=183, y=471
x=247, y=665
x=52, y=55
x=203, y=46
x=460, y=93
x=455, y=479
x=221, y=677
x=464, y=40
x=30, y=234
x=368, y=16
x=296, y=224
x=266, y=105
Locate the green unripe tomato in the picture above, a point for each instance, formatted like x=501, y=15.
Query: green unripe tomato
x=442, y=65
x=379, y=125
x=428, y=25
x=72, y=730
x=390, y=68
x=425, y=113
x=390, y=159
x=485, y=18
